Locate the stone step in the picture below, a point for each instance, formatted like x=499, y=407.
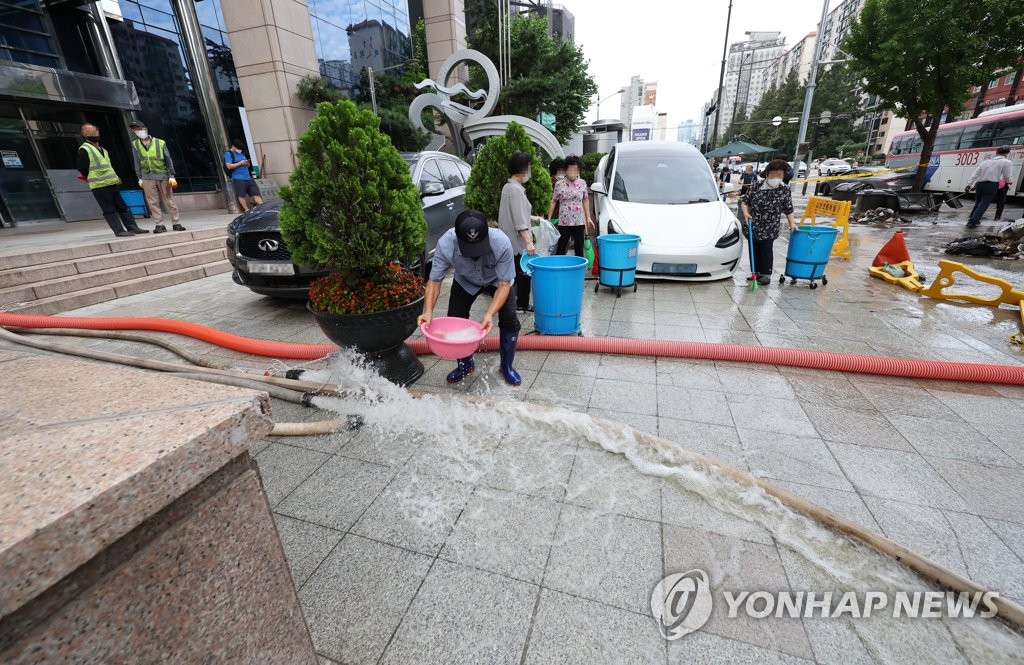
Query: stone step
x=38, y=273
x=114, y=245
x=56, y=287
x=91, y=296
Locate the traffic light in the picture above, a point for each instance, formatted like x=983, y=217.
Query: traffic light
x=819, y=133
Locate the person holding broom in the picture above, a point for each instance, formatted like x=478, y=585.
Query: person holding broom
x=762, y=208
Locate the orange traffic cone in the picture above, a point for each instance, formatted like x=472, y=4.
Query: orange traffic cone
x=895, y=251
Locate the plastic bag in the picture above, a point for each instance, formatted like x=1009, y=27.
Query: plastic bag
x=588, y=251
x=546, y=238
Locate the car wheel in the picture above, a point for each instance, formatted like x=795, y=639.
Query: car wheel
x=826, y=190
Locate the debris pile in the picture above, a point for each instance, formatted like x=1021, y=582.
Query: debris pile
x=882, y=218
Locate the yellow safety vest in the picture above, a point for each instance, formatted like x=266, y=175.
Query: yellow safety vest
x=101, y=173
x=151, y=160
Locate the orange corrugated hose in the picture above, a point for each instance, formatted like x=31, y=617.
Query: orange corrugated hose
x=826, y=360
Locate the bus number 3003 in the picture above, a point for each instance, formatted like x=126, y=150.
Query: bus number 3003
x=967, y=159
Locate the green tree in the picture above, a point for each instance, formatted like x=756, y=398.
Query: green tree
x=490, y=173
x=588, y=164
x=548, y=74
x=922, y=57
x=350, y=205
x=419, y=45
x=786, y=101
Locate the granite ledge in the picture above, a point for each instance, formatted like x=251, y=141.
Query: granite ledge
x=71, y=487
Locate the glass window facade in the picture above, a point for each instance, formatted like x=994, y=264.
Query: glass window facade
x=149, y=46
x=350, y=35
x=25, y=34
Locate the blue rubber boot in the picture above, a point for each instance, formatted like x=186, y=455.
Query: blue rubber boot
x=508, y=354
x=462, y=370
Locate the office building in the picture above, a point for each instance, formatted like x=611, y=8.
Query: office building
x=197, y=72
x=748, y=73
x=690, y=132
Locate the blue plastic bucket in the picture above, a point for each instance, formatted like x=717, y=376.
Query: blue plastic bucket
x=558, y=293
x=616, y=258
x=135, y=199
x=809, y=250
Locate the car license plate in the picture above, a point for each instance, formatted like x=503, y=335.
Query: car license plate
x=674, y=268
x=265, y=268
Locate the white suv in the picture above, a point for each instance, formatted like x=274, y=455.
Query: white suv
x=833, y=166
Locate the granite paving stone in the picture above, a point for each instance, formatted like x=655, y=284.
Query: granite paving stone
x=750, y=566
x=562, y=389
x=525, y=466
x=464, y=615
x=857, y=427
x=283, y=468
x=305, y=545
x=683, y=508
x=905, y=400
x=337, y=493
x=568, y=630
x=628, y=396
x=896, y=475
x=505, y=533
x=989, y=561
x=845, y=504
x=697, y=375
x=628, y=368
x=607, y=558
x=691, y=404
x=977, y=408
x=770, y=414
x=798, y=459
x=720, y=442
x=368, y=445
x=704, y=648
x=920, y=528
x=609, y=483
x=948, y=438
x=990, y=491
x=639, y=422
x=415, y=512
x=354, y=602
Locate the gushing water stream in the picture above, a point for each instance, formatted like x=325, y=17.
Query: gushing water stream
x=520, y=447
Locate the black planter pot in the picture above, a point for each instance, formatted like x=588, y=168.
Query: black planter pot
x=380, y=337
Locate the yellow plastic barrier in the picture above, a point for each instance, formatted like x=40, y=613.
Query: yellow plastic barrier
x=945, y=279
x=912, y=282
x=840, y=210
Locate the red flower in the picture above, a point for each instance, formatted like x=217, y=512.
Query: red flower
x=387, y=288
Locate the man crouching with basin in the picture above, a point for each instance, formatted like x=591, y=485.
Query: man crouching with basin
x=482, y=259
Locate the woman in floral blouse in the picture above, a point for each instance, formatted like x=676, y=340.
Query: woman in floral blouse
x=764, y=205
x=570, y=196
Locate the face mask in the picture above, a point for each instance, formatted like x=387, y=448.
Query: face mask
x=526, y=178
x=773, y=182
x=142, y=134
x=95, y=138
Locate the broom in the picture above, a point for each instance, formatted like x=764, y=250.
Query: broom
x=753, y=271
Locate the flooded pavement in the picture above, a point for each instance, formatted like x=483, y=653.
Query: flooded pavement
x=502, y=535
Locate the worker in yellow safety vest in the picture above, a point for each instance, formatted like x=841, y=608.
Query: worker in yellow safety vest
x=104, y=183
x=156, y=175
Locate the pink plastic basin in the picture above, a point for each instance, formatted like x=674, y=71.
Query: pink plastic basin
x=453, y=338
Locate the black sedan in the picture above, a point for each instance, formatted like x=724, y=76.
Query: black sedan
x=263, y=264
x=868, y=177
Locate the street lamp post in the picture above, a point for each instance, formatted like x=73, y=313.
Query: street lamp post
x=617, y=92
x=811, y=83
x=370, y=71
x=721, y=79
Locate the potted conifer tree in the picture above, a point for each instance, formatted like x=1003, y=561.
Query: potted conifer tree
x=490, y=173
x=350, y=207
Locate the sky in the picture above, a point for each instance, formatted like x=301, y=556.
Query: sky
x=677, y=43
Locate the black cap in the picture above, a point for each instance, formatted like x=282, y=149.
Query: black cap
x=136, y=123
x=472, y=232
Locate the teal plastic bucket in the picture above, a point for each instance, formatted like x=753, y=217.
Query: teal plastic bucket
x=809, y=250
x=135, y=199
x=558, y=293
x=616, y=257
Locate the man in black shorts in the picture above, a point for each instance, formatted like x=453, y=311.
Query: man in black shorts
x=238, y=166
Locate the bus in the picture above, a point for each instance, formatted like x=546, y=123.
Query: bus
x=961, y=146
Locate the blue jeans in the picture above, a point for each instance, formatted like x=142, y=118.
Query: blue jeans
x=984, y=194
